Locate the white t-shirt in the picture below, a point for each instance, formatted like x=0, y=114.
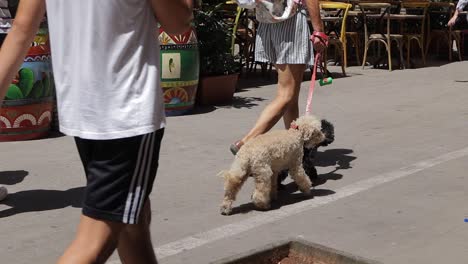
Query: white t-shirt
x=105, y=57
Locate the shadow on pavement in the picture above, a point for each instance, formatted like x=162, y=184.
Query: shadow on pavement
x=41, y=200
x=284, y=198
x=340, y=158
x=244, y=102
x=12, y=177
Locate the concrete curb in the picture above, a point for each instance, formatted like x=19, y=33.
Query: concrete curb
x=274, y=252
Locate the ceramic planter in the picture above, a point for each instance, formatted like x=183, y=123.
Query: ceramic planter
x=216, y=90
x=25, y=119
x=179, y=71
x=26, y=112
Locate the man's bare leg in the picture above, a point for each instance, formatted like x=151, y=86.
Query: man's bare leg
x=135, y=246
x=94, y=242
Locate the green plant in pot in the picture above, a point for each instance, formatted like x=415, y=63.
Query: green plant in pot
x=219, y=69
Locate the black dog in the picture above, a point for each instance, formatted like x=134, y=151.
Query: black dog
x=308, y=160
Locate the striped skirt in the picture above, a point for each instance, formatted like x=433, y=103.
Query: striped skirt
x=287, y=42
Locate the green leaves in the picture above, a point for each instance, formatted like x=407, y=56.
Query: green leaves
x=38, y=90
x=26, y=81
x=214, y=40
x=28, y=87
x=14, y=93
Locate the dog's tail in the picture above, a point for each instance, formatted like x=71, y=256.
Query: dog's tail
x=223, y=173
x=239, y=169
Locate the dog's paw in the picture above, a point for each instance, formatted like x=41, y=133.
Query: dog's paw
x=262, y=206
x=305, y=188
x=225, y=210
x=260, y=202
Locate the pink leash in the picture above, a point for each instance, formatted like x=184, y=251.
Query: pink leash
x=317, y=59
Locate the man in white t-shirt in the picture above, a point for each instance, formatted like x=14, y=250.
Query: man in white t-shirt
x=106, y=68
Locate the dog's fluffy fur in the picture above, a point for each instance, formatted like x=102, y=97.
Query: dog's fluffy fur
x=265, y=156
x=308, y=160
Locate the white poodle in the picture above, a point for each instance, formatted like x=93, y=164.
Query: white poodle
x=266, y=155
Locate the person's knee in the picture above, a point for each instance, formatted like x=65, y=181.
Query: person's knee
x=89, y=250
x=95, y=241
x=285, y=101
x=288, y=92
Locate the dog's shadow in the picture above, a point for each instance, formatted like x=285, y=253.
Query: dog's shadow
x=338, y=158
x=286, y=197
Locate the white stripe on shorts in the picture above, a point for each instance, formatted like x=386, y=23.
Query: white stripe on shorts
x=142, y=183
x=148, y=171
x=137, y=174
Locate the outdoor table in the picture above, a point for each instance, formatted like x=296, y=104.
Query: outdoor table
x=331, y=19
x=398, y=17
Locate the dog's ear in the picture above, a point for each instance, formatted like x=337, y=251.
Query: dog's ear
x=309, y=126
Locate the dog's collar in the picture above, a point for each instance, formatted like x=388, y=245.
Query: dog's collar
x=294, y=126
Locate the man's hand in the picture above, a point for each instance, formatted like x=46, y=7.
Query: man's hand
x=28, y=18
x=173, y=15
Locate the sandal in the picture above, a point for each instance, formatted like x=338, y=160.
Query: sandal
x=235, y=147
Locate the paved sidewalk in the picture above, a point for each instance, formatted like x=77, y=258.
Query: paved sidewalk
x=396, y=177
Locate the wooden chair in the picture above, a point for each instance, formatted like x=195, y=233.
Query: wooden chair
x=242, y=34
x=381, y=13
x=338, y=12
x=414, y=29
x=353, y=34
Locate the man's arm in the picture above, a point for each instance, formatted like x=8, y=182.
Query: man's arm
x=28, y=18
x=173, y=15
x=314, y=14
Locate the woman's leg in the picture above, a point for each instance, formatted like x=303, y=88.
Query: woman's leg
x=292, y=110
x=285, y=102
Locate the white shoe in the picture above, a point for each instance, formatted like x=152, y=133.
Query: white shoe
x=3, y=193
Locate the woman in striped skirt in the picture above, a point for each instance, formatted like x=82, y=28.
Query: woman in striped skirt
x=287, y=44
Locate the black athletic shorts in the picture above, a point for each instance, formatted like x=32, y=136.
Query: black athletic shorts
x=120, y=174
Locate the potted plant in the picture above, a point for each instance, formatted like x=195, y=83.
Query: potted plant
x=219, y=69
x=26, y=112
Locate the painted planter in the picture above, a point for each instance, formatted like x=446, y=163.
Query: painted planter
x=215, y=90
x=179, y=71
x=26, y=112
x=25, y=119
